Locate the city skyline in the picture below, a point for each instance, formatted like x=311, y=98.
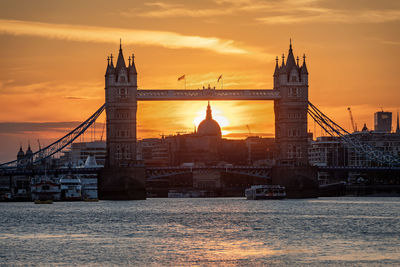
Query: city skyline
x=53, y=64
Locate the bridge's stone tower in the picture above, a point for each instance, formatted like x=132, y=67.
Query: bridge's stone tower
x=292, y=169
x=291, y=80
x=121, y=107
x=121, y=178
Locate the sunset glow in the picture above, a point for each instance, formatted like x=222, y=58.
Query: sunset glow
x=54, y=60
x=217, y=115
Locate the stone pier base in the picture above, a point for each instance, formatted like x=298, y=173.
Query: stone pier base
x=300, y=182
x=125, y=183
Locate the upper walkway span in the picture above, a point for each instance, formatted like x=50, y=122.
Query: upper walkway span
x=207, y=94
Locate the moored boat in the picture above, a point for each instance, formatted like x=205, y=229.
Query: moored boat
x=45, y=189
x=89, y=181
x=265, y=192
x=71, y=188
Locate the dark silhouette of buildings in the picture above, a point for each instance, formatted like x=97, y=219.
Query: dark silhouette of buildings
x=205, y=147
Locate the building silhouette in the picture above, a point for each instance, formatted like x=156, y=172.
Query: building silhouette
x=205, y=146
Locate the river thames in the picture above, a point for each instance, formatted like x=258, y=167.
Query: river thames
x=213, y=231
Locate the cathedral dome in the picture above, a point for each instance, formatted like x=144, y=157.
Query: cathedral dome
x=209, y=127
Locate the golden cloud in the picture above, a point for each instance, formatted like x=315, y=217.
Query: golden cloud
x=130, y=36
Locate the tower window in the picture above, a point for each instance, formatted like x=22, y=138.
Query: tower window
x=294, y=92
x=294, y=151
x=122, y=92
x=123, y=133
x=293, y=132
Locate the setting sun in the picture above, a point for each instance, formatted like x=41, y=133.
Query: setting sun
x=217, y=115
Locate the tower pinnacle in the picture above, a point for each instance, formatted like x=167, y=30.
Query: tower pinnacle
x=209, y=113
x=120, y=61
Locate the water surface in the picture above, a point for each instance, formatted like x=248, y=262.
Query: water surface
x=215, y=231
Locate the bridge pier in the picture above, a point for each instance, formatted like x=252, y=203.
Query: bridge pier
x=299, y=181
x=126, y=183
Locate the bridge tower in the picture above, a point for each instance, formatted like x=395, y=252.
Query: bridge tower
x=292, y=169
x=121, y=107
x=291, y=80
x=121, y=178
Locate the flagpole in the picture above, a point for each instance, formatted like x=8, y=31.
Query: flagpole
x=185, y=82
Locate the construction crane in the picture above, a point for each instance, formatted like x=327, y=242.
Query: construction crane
x=354, y=125
x=248, y=128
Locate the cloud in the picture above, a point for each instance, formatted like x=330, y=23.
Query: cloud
x=72, y=91
x=390, y=42
x=274, y=12
x=63, y=127
x=22, y=127
x=130, y=36
x=324, y=15
x=165, y=10
x=75, y=98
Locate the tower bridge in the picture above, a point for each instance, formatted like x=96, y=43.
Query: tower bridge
x=123, y=176
x=290, y=96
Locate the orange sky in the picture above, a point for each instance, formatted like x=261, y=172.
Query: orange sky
x=53, y=60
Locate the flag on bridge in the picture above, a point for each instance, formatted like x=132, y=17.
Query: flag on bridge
x=219, y=78
x=182, y=77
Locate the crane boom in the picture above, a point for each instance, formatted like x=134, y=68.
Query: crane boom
x=248, y=128
x=352, y=120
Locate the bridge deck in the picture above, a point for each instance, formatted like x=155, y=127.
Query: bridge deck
x=207, y=94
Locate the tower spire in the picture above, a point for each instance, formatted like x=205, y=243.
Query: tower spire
x=304, y=67
x=209, y=115
x=132, y=67
x=120, y=61
x=398, y=127
x=276, y=72
x=290, y=61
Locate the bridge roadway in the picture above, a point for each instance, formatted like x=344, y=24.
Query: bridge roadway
x=207, y=94
x=256, y=171
x=149, y=170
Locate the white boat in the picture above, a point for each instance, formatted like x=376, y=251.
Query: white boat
x=89, y=181
x=265, y=192
x=45, y=189
x=71, y=187
x=89, y=188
